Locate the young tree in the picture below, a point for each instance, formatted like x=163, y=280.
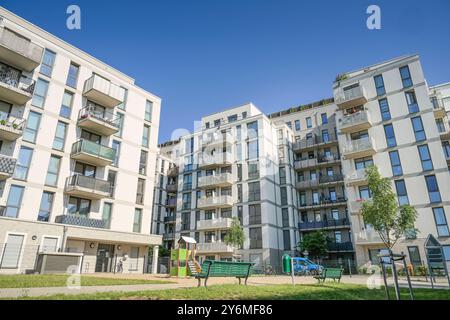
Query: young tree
x=316, y=243
x=235, y=236
x=383, y=212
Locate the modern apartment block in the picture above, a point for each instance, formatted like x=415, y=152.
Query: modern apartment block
x=301, y=170
x=78, y=147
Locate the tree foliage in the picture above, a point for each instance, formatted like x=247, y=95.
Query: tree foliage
x=316, y=243
x=235, y=237
x=383, y=212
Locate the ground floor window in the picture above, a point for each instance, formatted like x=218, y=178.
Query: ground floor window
x=12, y=251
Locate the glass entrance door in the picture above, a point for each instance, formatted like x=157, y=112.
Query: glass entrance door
x=105, y=255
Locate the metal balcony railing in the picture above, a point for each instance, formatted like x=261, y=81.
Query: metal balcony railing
x=96, y=185
x=324, y=224
x=94, y=149
x=81, y=221
x=7, y=166
x=12, y=124
x=314, y=141
x=104, y=116
x=342, y=246
x=170, y=219
x=171, y=202
x=13, y=79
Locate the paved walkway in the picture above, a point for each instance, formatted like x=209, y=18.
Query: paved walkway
x=189, y=282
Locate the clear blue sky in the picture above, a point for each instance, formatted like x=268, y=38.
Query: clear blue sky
x=203, y=56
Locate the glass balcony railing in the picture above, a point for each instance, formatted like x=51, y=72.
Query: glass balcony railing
x=94, y=149
x=324, y=224
x=90, y=183
x=106, y=117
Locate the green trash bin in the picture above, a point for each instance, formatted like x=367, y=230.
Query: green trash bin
x=287, y=263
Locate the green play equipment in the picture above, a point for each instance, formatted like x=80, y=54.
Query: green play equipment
x=182, y=259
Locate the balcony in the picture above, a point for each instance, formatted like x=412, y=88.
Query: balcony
x=213, y=247
x=170, y=219
x=206, y=161
x=327, y=224
x=14, y=88
x=172, y=187
x=168, y=236
x=330, y=180
x=81, y=221
x=439, y=111
x=322, y=160
x=7, y=166
x=215, y=202
x=307, y=184
x=359, y=148
x=103, y=123
x=172, y=202
x=324, y=203
x=220, y=180
x=342, y=246
x=358, y=121
x=93, y=153
x=220, y=223
x=172, y=172
x=367, y=237
x=314, y=142
x=356, y=206
x=11, y=128
x=357, y=178
x=350, y=97
x=88, y=187
x=18, y=51
x=216, y=139
x=103, y=92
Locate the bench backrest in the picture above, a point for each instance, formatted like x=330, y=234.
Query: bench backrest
x=332, y=273
x=225, y=268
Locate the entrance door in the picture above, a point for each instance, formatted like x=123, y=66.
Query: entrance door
x=105, y=255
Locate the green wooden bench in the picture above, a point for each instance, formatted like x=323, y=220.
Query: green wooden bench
x=212, y=268
x=330, y=273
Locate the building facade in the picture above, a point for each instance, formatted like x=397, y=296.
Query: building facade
x=78, y=147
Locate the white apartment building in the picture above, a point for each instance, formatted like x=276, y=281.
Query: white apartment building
x=78, y=147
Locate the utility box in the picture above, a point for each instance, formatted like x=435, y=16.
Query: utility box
x=287, y=268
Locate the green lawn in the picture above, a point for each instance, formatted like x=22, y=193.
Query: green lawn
x=329, y=291
x=33, y=281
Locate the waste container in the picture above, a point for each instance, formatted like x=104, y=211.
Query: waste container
x=287, y=263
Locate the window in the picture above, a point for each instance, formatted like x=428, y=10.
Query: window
x=297, y=125
x=285, y=217
x=107, y=213
x=40, y=93
x=425, y=157
x=33, y=122
x=137, y=220
x=364, y=193
x=252, y=130
x=79, y=206
x=395, y=163
x=433, y=189
x=253, y=170
x=282, y=172
x=390, y=136
x=238, y=133
x=60, y=136
x=186, y=221
x=66, y=105
x=187, y=181
x=140, y=191
x=52, y=171
x=47, y=63
x=116, y=146
x=287, y=239
x=123, y=105
x=402, y=193
x=148, y=111
x=325, y=136
x=414, y=256
x=363, y=163
x=46, y=206
x=23, y=163
x=289, y=124
x=254, y=193
x=406, y=77
x=384, y=109
x=255, y=236
x=143, y=162
x=112, y=176
x=72, y=76
x=14, y=201
x=441, y=222
x=254, y=214
x=379, y=85
x=49, y=244
x=440, y=125
x=419, y=131
x=12, y=251
x=146, y=136
x=283, y=194
x=120, y=119
x=308, y=122
x=134, y=259
x=252, y=149
x=186, y=201
x=324, y=118
x=412, y=102
x=233, y=118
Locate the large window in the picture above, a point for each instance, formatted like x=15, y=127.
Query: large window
x=363, y=163
x=186, y=204
x=60, y=136
x=72, y=76
x=40, y=93
x=120, y=120
x=52, y=171
x=255, y=235
x=406, y=77
x=419, y=131
x=384, y=109
x=287, y=239
x=79, y=206
x=411, y=100
x=395, y=163
x=441, y=222
x=283, y=193
x=45, y=208
x=390, y=135
x=308, y=122
x=297, y=125
x=47, y=63
x=254, y=214
x=379, y=85
x=32, y=128
x=324, y=118
x=253, y=170
x=12, y=251
x=137, y=221
x=433, y=189
x=252, y=149
x=143, y=162
x=252, y=129
x=23, y=163
x=425, y=157
x=402, y=193
x=140, y=191
x=146, y=136
x=148, y=110
x=66, y=105
x=116, y=147
x=14, y=201
x=254, y=192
